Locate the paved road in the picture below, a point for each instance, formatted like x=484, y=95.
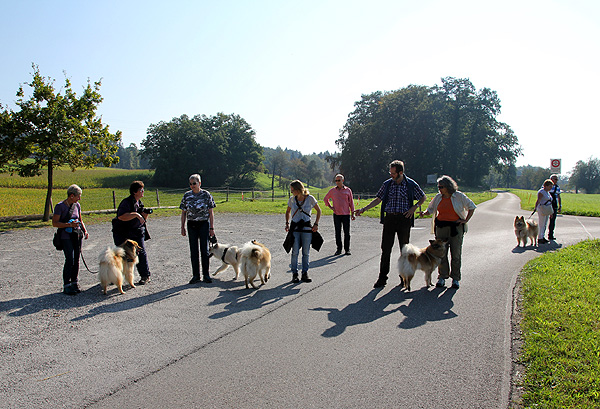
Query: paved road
x=335, y=342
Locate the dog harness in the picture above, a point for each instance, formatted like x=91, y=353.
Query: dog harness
x=224, y=254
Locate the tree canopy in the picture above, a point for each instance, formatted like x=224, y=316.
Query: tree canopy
x=54, y=128
x=221, y=148
x=449, y=129
x=586, y=175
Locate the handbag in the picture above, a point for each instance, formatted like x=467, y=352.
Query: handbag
x=546, y=209
x=56, y=241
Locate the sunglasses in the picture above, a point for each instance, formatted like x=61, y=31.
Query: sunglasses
x=338, y=180
x=192, y=184
x=441, y=187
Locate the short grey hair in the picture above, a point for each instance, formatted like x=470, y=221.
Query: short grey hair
x=448, y=183
x=196, y=177
x=339, y=175
x=73, y=190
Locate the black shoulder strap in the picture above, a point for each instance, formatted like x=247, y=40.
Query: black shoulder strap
x=300, y=207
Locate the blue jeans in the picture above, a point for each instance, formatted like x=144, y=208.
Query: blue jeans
x=198, y=231
x=301, y=239
x=72, y=251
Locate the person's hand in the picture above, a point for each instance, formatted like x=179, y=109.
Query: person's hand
x=183, y=231
x=287, y=226
x=352, y=217
x=140, y=218
x=86, y=235
x=359, y=211
x=410, y=212
x=211, y=232
x=315, y=227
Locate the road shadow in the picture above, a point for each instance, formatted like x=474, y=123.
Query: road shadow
x=427, y=306
x=129, y=304
x=235, y=300
x=424, y=306
x=541, y=248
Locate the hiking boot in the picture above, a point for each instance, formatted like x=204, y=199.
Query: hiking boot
x=441, y=283
x=305, y=278
x=194, y=280
x=295, y=278
x=455, y=284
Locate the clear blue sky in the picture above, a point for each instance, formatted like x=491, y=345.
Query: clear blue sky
x=293, y=70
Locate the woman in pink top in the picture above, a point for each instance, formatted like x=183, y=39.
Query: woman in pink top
x=343, y=211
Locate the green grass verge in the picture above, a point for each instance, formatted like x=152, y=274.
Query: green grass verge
x=561, y=327
x=574, y=204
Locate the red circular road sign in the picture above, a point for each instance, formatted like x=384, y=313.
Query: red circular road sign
x=555, y=163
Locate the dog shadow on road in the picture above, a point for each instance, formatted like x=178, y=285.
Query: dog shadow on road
x=424, y=306
x=129, y=304
x=542, y=248
x=242, y=299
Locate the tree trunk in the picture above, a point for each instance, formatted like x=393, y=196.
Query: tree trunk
x=47, y=206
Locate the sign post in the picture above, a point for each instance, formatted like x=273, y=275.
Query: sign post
x=555, y=166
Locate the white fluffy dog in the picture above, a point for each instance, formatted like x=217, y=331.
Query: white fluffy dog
x=229, y=255
x=117, y=263
x=255, y=260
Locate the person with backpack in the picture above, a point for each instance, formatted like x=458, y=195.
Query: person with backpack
x=300, y=207
x=397, y=196
x=71, y=231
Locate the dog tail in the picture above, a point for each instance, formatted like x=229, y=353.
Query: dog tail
x=532, y=223
x=410, y=249
x=110, y=253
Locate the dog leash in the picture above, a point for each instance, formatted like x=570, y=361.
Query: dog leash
x=85, y=264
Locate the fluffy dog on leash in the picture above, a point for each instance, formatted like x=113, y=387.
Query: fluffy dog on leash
x=526, y=229
x=117, y=264
x=426, y=260
x=255, y=259
x=229, y=255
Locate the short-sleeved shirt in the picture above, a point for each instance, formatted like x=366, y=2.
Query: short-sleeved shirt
x=398, y=196
x=307, y=206
x=133, y=227
x=63, y=210
x=197, y=205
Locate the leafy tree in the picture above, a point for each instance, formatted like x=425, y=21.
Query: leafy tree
x=450, y=129
x=586, y=175
x=222, y=148
x=278, y=162
x=54, y=128
x=531, y=177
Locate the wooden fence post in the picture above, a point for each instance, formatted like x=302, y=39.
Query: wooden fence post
x=114, y=200
x=157, y=199
x=227, y=197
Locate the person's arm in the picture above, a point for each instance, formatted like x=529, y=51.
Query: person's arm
x=559, y=202
x=83, y=228
x=183, y=218
x=466, y=219
x=539, y=199
x=371, y=205
x=60, y=225
x=211, y=222
x=327, y=200
x=411, y=211
x=287, y=218
x=318, y=210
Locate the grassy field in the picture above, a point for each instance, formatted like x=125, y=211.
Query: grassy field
x=574, y=204
x=561, y=326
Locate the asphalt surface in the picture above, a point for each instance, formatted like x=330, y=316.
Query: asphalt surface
x=335, y=342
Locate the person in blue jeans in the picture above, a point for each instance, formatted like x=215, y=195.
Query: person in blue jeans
x=67, y=218
x=300, y=208
x=197, y=209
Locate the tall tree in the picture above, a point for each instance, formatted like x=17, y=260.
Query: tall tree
x=586, y=175
x=54, y=128
x=222, y=148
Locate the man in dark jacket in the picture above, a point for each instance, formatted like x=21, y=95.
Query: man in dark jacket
x=397, y=196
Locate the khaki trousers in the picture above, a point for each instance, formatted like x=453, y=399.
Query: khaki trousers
x=445, y=269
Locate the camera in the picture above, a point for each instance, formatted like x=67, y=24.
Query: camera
x=147, y=211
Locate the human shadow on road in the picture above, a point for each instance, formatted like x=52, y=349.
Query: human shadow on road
x=129, y=304
x=426, y=306
x=367, y=309
x=243, y=299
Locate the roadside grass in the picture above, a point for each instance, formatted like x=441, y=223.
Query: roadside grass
x=573, y=204
x=561, y=328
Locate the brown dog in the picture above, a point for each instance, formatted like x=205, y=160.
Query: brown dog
x=526, y=229
x=117, y=263
x=426, y=260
